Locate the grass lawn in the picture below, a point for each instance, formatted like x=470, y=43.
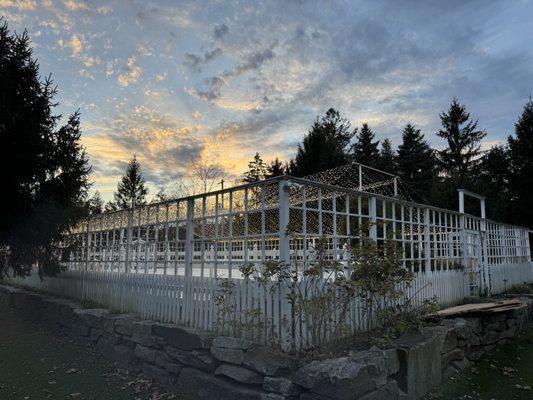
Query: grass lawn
x=504, y=374
x=36, y=365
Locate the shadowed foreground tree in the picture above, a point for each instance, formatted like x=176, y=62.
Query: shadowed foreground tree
x=324, y=147
x=43, y=167
x=131, y=191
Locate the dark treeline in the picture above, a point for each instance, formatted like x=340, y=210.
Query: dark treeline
x=504, y=174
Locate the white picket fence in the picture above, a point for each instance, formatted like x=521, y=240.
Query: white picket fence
x=249, y=310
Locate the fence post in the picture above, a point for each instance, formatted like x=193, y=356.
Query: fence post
x=427, y=240
x=373, y=218
x=128, y=242
x=283, y=221
x=286, y=320
x=189, y=236
x=88, y=245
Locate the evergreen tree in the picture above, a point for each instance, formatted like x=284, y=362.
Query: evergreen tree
x=324, y=147
x=275, y=168
x=95, y=204
x=160, y=196
x=387, y=158
x=416, y=162
x=493, y=182
x=521, y=167
x=131, y=191
x=44, y=169
x=365, y=150
x=257, y=170
x=459, y=160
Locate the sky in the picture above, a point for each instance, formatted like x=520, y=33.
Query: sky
x=178, y=82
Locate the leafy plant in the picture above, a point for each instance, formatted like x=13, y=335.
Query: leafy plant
x=322, y=295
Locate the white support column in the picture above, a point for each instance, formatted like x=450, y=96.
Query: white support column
x=87, y=245
x=189, y=236
x=395, y=186
x=285, y=311
x=373, y=218
x=128, y=241
x=461, y=201
x=427, y=240
x=360, y=177
x=284, y=189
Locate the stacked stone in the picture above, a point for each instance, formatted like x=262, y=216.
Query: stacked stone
x=467, y=339
x=200, y=366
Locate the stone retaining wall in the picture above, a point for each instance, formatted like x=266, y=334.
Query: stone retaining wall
x=204, y=367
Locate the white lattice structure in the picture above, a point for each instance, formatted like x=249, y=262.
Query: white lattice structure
x=162, y=260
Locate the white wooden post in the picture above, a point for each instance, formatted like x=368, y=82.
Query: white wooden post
x=88, y=245
x=360, y=177
x=189, y=236
x=284, y=189
x=395, y=186
x=427, y=240
x=286, y=320
x=373, y=219
x=128, y=242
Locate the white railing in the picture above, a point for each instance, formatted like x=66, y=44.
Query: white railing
x=164, y=261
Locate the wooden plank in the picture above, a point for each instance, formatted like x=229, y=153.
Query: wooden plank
x=480, y=308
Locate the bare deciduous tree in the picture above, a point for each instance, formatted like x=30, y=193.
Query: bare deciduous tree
x=203, y=177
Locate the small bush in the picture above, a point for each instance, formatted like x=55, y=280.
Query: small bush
x=522, y=288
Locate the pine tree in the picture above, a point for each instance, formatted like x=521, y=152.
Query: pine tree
x=44, y=169
x=493, y=182
x=387, y=158
x=521, y=167
x=459, y=160
x=160, y=196
x=275, y=168
x=95, y=204
x=131, y=191
x=257, y=170
x=365, y=150
x=416, y=161
x=324, y=147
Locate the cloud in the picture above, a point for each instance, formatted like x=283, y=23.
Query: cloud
x=220, y=31
x=195, y=62
x=104, y=10
x=254, y=87
x=131, y=73
x=74, y=43
x=212, y=91
x=213, y=86
x=21, y=5
x=75, y=5
x=161, y=77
